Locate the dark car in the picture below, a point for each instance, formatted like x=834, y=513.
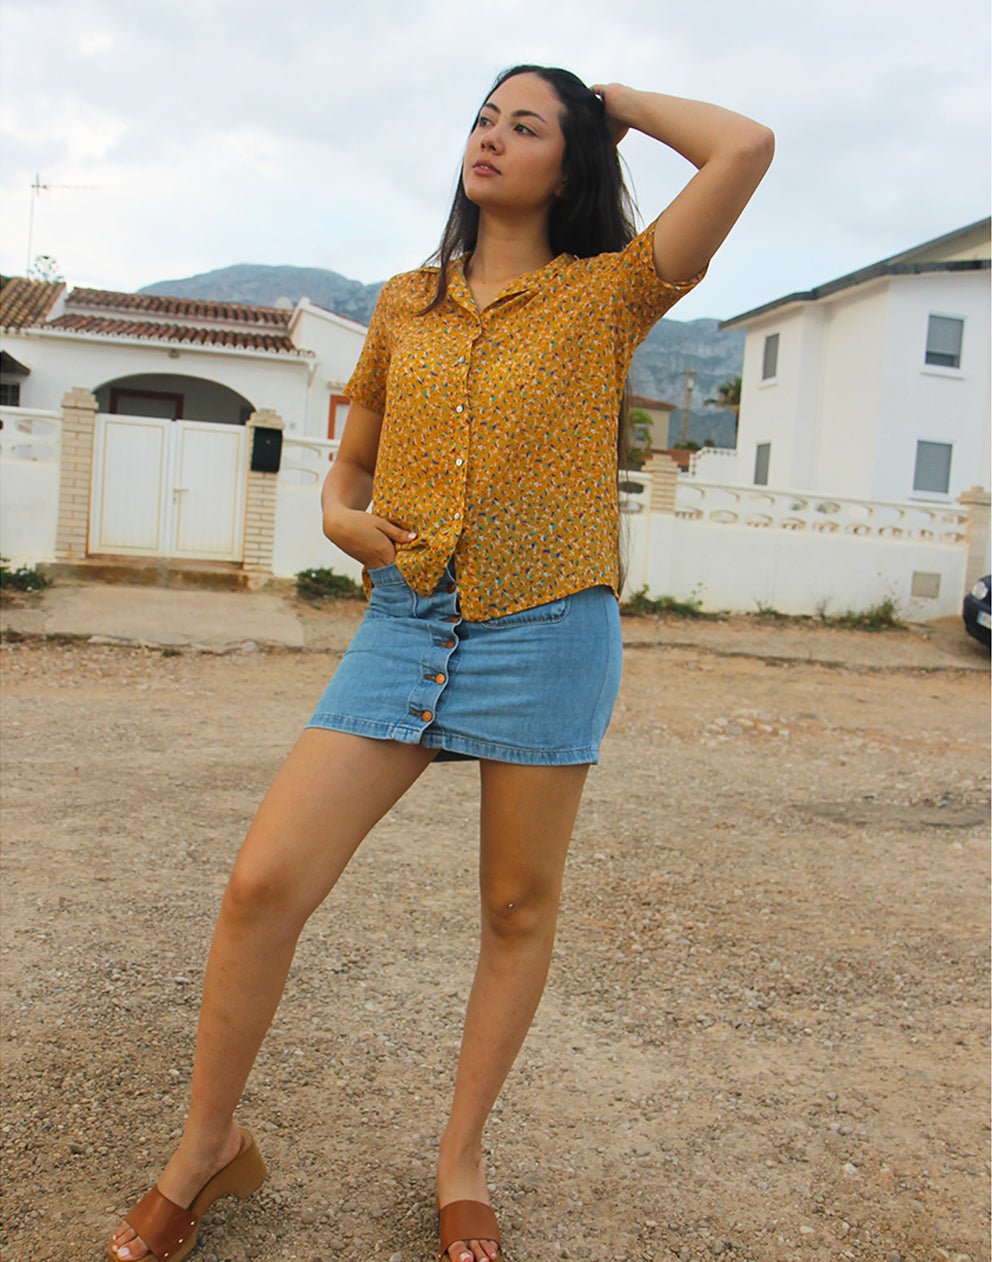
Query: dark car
x=977, y=611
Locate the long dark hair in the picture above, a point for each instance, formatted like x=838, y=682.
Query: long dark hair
x=594, y=212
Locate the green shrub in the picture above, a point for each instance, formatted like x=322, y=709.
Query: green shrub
x=21, y=579
x=326, y=585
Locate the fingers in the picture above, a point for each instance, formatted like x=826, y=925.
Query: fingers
x=394, y=532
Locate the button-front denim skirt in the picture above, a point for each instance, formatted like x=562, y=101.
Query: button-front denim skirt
x=533, y=687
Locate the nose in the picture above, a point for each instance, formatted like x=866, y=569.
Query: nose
x=493, y=139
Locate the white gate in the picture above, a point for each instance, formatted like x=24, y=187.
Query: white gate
x=168, y=488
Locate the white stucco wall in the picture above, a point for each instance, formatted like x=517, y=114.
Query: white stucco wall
x=336, y=343
x=849, y=394
x=921, y=401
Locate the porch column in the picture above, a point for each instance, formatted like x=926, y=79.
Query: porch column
x=977, y=501
x=260, y=500
x=664, y=479
x=75, y=474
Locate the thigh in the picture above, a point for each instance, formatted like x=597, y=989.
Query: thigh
x=331, y=790
x=527, y=817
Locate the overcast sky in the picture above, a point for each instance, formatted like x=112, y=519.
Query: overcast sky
x=328, y=134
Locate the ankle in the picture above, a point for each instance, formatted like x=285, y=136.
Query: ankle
x=459, y=1152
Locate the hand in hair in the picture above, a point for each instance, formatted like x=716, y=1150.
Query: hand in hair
x=611, y=95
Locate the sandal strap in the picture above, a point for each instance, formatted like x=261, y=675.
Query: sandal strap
x=162, y=1224
x=467, y=1220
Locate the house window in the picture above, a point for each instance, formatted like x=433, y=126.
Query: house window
x=944, y=341
x=762, y=457
x=10, y=394
x=933, y=467
x=336, y=415
x=769, y=364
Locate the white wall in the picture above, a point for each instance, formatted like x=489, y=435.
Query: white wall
x=337, y=343
x=922, y=401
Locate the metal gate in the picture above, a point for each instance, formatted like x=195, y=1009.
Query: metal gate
x=168, y=488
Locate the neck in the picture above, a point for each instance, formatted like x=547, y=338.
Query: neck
x=507, y=248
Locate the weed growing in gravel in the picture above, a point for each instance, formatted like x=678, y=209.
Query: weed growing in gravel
x=326, y=585
x=22, y=579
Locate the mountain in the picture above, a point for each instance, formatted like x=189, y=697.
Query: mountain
x=263, y=287
x=658, y=370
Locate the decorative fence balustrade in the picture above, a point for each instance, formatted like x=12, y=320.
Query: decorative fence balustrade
x=30, y=434
x=762, y=508
x=305, y=459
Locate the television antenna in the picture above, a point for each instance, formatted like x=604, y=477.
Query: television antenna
x=37, y=188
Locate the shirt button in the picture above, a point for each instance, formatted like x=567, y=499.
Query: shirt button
x=459, y=408
x=439, y=679
x=427, y=716
x=459, y=461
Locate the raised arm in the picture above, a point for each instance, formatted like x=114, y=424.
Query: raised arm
x=347, y=492
x=732, y=153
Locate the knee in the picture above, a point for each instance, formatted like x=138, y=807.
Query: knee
x=257, y=890
x=515, y=915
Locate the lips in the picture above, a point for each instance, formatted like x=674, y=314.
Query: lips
x=485, y=168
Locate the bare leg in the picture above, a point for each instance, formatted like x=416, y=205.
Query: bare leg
x=329, y=793
x=528, y=814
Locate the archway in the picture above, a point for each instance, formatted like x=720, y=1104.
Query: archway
x=175, y=396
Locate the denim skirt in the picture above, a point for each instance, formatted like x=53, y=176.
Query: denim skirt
x=534, y=687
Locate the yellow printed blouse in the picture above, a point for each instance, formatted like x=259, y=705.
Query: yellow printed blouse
x=498, y=441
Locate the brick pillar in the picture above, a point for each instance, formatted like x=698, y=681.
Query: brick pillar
x=664, y=476
x=977, y=501
x=260, y=501
x=75, y=475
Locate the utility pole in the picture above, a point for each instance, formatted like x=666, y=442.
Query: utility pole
x=685, y=414
x=36, y=188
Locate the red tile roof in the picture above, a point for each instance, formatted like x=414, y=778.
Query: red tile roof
x=187, y=334
x=186, y=308
x=26, y=302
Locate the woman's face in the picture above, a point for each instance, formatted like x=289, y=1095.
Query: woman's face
x=515, y=154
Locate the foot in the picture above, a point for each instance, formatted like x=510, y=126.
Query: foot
x=181, y=1180
x=461, y=1177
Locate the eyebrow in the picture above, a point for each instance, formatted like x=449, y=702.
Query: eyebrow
x=516, y=113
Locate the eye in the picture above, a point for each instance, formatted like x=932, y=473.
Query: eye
x=525, y=129
x=482, y=121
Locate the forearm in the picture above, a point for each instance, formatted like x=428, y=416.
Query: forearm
x=348, y=485
x=699, y=131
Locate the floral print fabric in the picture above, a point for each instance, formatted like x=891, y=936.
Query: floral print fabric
x=498, y=441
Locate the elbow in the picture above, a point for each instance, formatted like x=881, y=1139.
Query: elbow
x=760, y=146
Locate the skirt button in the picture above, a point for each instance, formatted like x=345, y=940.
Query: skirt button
x=448, y=644
x=439, y=679
x=427, y=716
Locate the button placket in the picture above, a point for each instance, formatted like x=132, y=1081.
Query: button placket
x=444, y=616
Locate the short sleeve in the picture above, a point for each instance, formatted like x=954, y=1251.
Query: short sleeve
x=642, y=296
x=367, y=384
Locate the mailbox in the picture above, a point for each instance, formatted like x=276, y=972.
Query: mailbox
x=266, y=450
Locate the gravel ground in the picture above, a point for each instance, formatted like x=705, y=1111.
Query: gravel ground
x=764, y=1036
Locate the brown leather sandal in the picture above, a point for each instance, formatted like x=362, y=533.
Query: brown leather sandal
x=467, y=1220
x=168, y=1230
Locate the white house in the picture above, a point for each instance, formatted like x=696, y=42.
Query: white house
x=167, y=446
x=874, y=385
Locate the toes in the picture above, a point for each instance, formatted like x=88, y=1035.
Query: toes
x=477, y=1251
x=128, y=1246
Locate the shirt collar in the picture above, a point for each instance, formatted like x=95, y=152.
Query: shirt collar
x=528, y=282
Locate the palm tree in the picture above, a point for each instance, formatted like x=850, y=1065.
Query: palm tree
x=728, y=395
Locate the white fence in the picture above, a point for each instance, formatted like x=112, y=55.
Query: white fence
x=730, y=547
x=743, y=548
x=30, y=452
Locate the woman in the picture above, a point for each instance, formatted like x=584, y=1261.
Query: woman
x=483, y=421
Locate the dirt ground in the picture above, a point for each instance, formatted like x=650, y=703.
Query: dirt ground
x=765, y=1032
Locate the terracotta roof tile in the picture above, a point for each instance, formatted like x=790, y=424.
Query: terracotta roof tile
x=153, y=331
x=186, y=308
x=26, y=302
